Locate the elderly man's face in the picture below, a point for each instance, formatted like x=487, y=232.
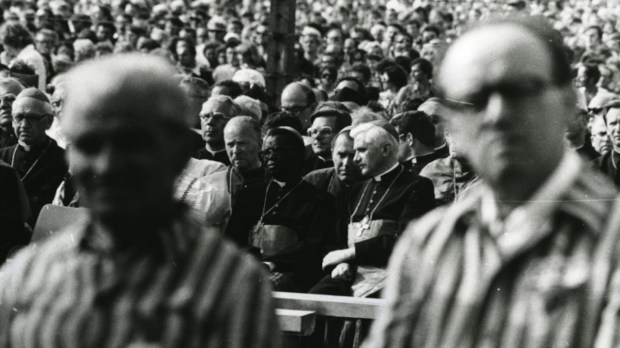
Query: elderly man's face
x=242, y=147
x=508, y=110
x=8, y=92
x=613, y=127
x=213, y=118
x=368, y=156
x=343, y=155
x=322, y=133
x=30, y=121
x=599, y=137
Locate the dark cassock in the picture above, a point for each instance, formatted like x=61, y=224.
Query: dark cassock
x=241, y=187
x=14, y=211
x=291, y=226
x=378, y=210
x=219, y=156
x=41, y=170
x=608, y=164
x=417, y=163
x=442, y=151
x=314, y=162
x=326, y=180
x=7, y=138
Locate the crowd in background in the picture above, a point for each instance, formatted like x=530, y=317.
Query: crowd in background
x=362, y=123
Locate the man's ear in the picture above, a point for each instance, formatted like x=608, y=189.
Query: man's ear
x=386, y=149
x=409, y=139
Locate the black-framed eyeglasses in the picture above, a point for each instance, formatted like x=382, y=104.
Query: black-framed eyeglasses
x=216, y=116
x=32, y=118
x=325, y=130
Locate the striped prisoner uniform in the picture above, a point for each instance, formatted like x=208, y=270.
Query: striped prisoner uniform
x=186, y=288
x=548, y=277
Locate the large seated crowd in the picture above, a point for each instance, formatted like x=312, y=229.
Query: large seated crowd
x=161, y=119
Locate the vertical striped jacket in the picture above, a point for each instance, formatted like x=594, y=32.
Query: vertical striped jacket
x=452, y=283
x=192, y=290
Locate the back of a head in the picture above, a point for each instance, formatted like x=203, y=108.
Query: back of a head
x=131, y=89
x=416, y=123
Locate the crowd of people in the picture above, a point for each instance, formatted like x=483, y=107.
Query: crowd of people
x=466, y=172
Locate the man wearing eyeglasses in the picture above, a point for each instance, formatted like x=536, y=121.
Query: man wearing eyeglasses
x=9, y=88
x=38, y=159
x=298, y=100
x=325, y=124
x=214, y=115
x=528, y=257
x=293, y=221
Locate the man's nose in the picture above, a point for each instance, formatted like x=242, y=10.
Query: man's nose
x=106, y=160
x=498, y=110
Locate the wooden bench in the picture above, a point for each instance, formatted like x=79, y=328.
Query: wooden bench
x=296, y=322
x=330, y=306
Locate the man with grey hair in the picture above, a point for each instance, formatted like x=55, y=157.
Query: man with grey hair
x=242, y=136
x=379, y=208
x=529, y=256
x=139, y=270
x=214, y=115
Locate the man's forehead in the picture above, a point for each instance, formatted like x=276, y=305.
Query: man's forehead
x=613, y=113
x=494, y=53
x=28, y=106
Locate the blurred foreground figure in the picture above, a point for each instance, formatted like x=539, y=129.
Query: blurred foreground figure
x=139, y=271
x=528, y=258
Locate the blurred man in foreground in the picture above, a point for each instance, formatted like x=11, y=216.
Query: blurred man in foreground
x=139, y=271
x=529, y=257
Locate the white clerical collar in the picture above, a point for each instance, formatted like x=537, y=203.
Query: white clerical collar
x=214, y=152
x=378, y=177
x=544, y=199
x=280, y=183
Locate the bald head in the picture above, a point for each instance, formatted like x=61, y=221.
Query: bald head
x=299, y=100
x=509, y=95
x=128, y=90
x=10, y=85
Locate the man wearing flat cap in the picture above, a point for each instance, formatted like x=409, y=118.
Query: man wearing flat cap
x=140, y=270
x=378, y=210
x=38, y=159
